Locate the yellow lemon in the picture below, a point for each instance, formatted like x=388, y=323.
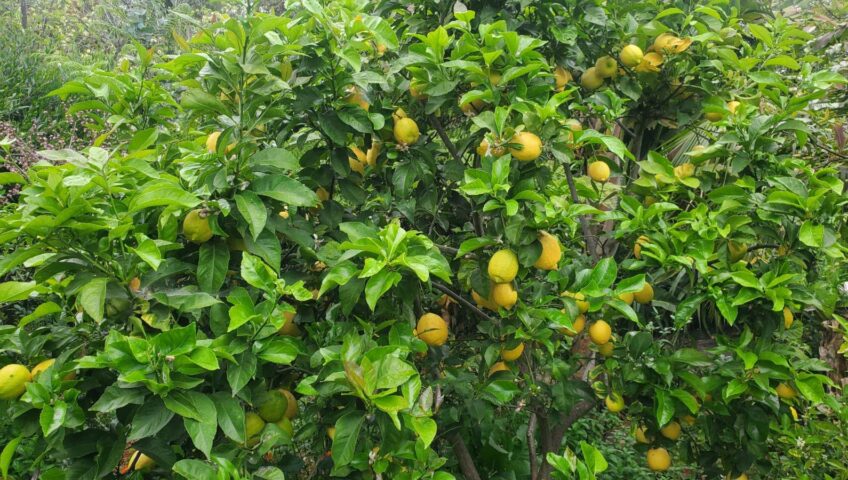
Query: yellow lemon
x=645, y=295
x=788, y=318
x=651, y=63
x=373, y=153
x=498, y=367
x=576, y=326
x=688, y=420
x=212, y=142
x=484, y=302
x=614, y=402
x=289, y=328
x=641, y=435
x=551, y=252
x=13, y=379
x=684, y=170
x=196, y=227
x=785, y=392
x=732, y=106
x=579, y=299
x=503, y=266
x=599, y=171
x=508, y=355
x=530, y=146
x=671, y=431
x=323, y=194
x=432, y=329
x=626, y=297
x=658, y=459
x=606, y=66
x=504, y=295
x=356, y=97
x=637, y=247
x=562, y=77
x=600, y=332
x=631, y=55
x=41, y=367
x=607, y=349
x=406, y=131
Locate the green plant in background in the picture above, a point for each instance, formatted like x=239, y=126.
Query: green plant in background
x=365, y=241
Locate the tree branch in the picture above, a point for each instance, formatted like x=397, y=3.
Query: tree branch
x=584, y=222
x=459, y=298
x=531, y=445
x=466, y=463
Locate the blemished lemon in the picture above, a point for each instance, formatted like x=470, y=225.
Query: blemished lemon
x=576, y=326
x=530, y=146
x=196, y=227
x=504, y=295
x=599, y=171
x=684, y=170
x=432, y=329
x=511, y=355
x=503, y=266
x=551, y=252
x=631, y=55
x=645, y=295
x=658, y=459
x=614, y=402
x=671, y=431
x=600, y=332
x=406, y=131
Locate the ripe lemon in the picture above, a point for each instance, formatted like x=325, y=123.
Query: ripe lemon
x=562, y=77
x=504, y=295
x=291, y=403
x=684, y=170
x=253, y=425
x=551, y=252
x=637, y=247
x=578, y=297
x=289, y=328
x=271, y=405
x=406, y=131
x=512, y=355
x=599, y=171
x=743, y=476
x=785, y=392
x=631, y=56
x=357, y=164
x=41, y=367
x=671, y=431
x=614, y=402
x=135, y=285
x=645, y=295
x=607, y=349
x=665, y=42
x=483, y=149
x=600, y=332
x=212, y=142
x=356, y=97
x=626, y=297
x=576, y=326
x=591, y=79
x=658, y=459
x=732, y=106
x=688, y=420
x=331, y=432
x=142, y=462
x=373, y=153
x=641, y=435
x=196, y=227
x=498, y=367
x=651, y=63
x=530, y=147
x=484, y=302
x=13, y=379
x=503, y=266
x=788, y=318
x=432, y=329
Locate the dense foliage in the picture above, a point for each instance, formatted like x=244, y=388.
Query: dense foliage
x=370, y=240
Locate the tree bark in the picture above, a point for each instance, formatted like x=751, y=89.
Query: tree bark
x=580, y=409
x=24, y=14
x=466, y=463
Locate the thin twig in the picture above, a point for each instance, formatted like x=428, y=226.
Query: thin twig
x=445, y=289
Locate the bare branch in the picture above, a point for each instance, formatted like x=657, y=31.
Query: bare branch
x=466, y=463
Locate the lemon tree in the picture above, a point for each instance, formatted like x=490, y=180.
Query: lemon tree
x=358, y=240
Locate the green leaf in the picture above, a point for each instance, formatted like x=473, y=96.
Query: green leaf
x=149, y=253
x=665, y=407
x=593, y=458
x=92, y=297
x=162, y=194
x=811, y=386
x=177, y=341
x=278, y=158
x=150, y=419
x=286, y=190
x=212, y=265
x=811, y=235
x=282, y=351
x=378, y=285
x=253, y=210
x=52, y=417
x=143, y=139
x=115, y=397
x=7, y=454
x=16, y=291
x=687, y=399
x=425, y=428
x=195, y=470
x=202, y=433
x=257, y=273
x=781, y=60
x=239, y=375
x=603, y=275
x=230, y=417
x=347, y=437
